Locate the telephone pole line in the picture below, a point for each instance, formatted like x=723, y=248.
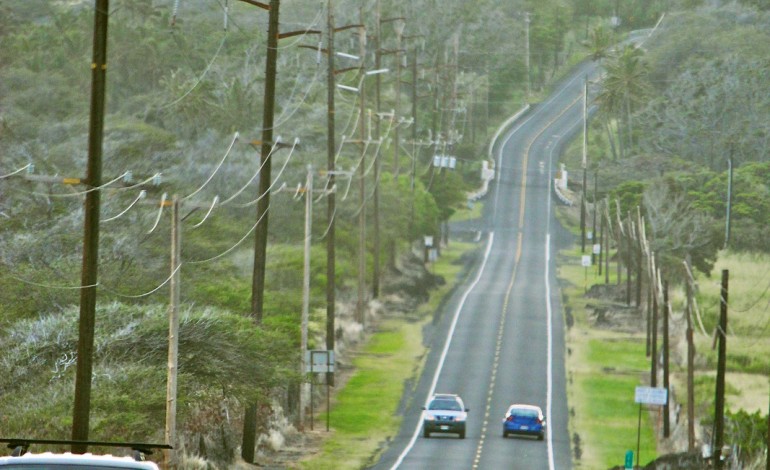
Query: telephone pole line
x=719, y=402
x=170, y=455
x=263, y=205
x=666, y=407
x=361, y=302
x=378, y=137
x=690, y=367
x=331, y=204
x=89, y=276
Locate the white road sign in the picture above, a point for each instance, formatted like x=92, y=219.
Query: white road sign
x=651, y=395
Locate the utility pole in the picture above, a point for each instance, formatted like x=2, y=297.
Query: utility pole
x=654, y=340
x=585, y=156
x=629, y=251
x=170, y=455
x=601, y=236
x=89, y=276
x=639, y=252
x=690, y=368
x=593, y=224
x=526, y=57
x=666, y=352
x=360, y=304
x=414, y=142
x=376, y=249
x=263, y=206
x=303, y=395
x=331, y=204
x=729, y=198
x=719, y=402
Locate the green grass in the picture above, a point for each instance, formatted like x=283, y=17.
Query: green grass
x=468, y=213
x=365, y=412
x=604, y=367
x=610, y=415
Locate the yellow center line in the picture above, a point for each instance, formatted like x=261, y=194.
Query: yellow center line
x=501, y=326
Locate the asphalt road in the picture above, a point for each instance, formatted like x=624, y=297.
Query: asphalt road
x=500, y=338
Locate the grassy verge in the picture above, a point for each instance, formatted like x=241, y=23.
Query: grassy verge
x=603, y=369
x=366, y=410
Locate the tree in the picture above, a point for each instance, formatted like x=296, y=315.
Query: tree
x=624, y=89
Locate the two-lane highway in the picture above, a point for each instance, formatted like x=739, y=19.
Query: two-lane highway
x=500, y=339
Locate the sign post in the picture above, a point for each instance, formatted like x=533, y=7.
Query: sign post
x=319, y=362
x=586, y=262
x=646, y=396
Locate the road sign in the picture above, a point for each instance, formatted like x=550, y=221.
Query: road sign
x=319, y=361
x=585, y=261
x=597, y=248
x=651, y=395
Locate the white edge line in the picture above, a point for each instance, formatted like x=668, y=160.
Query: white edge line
x=448, y=342
x=548, y=306
x=413, y=440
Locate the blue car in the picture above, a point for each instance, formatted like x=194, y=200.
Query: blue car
x=526, y=420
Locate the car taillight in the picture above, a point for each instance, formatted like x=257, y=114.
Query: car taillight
x=510, y=418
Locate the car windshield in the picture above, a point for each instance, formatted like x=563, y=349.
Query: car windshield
x=524, y=413
x=449, y=405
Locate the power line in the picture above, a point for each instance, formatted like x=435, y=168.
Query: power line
x=211, y=176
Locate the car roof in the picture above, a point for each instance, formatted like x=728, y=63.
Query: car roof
x=69, y=459
x=445, y=396
x=519, y=406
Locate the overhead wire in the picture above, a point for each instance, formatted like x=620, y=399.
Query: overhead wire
x=49, y=286
x=79, y=193
x=248, y=183
x=200, y=77
x=24, y=168
x=160, y=212
x=139, y=197
x=211, y=176
x=148, y=293
x=275, y=180
x=233, y=247
x=211, y=209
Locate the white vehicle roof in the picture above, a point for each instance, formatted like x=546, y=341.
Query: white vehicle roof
x=49, y=460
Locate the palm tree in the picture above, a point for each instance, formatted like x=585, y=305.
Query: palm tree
x=625, y=86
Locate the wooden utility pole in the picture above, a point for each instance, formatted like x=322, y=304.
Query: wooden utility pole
x=303, y=395
x=666, y=407
x=263, y=206
x=584, y=163
x=690, y=368
x=719, y=402
x=629, y=252
x=89, y=276
x=602, y=246
x=173, y=335
x=654, y=340
x=378, y=137
x=360, y=304
x=641, y=240
x=593, y=224
x=331, y=207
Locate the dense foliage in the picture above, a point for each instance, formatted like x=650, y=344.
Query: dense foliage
x=184, y=100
